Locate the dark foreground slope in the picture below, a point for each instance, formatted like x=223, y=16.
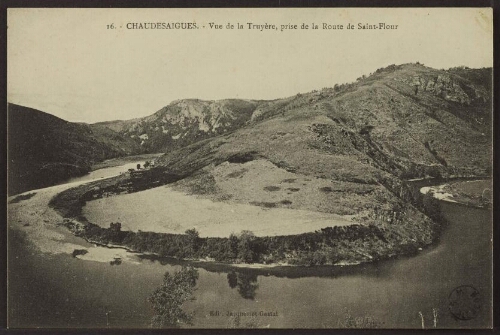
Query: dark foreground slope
x=44, y=149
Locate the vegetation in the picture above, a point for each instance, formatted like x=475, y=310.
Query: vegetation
x=362, y=322
x=167, y=300
x=22, y=197
x=78, y=252
x=384, y=234
x=431, y=207
x=364, y=138
x=481, y=76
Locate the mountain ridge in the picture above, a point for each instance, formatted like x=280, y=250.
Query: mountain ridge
x=376, y=108
x=186, y=121
x=402, y=111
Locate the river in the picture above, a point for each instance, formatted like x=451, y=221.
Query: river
x=57, y=290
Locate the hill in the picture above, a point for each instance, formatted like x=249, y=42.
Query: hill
x=183, y=122
x=408, y=112
x=186, y=121
x=44, y=149
x=345, y=151
x=409, y=121
x=348, y=150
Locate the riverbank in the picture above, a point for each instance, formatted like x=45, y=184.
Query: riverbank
x=201, y=262
x=471, y=193
x=30, y=216
x=377, y=235
x=124, y=160
x=52, y=285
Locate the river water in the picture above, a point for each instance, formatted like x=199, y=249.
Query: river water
x=58, y=290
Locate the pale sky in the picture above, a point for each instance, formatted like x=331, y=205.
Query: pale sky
x=65, y=62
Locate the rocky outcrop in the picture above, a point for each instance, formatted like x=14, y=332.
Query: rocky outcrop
x=183, y=122
x=447, y=87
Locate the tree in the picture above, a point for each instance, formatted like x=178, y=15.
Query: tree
x=147, y=164
x=193, y=239
x=167, y=300
x=114, y=232
x=115, y=227
x=138, y=166
x=431, y=206
x=245, y=247
x=233, y=244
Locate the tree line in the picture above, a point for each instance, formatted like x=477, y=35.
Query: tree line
x=401, y=234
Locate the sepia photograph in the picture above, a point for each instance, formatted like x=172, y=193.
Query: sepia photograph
x=234, y=168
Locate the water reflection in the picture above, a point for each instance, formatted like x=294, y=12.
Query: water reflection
x=245, y=282
x=321, y=271
x=232, y=279
x=47, y=291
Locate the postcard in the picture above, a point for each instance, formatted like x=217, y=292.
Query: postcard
x=250, y=168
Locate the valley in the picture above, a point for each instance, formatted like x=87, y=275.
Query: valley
x=316, y=180
x=44, y=150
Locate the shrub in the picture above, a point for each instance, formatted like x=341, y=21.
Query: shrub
x=431, y=206
x=167, y=300
x=272, y=188
x=246, y=243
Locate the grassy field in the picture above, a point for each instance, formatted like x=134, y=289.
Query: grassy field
x=165, y=210
x=262, y=183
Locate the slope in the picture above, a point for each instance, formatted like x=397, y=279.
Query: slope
x=348, y=149
x=44, y=149
x=183, y=122
x=343, y=151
